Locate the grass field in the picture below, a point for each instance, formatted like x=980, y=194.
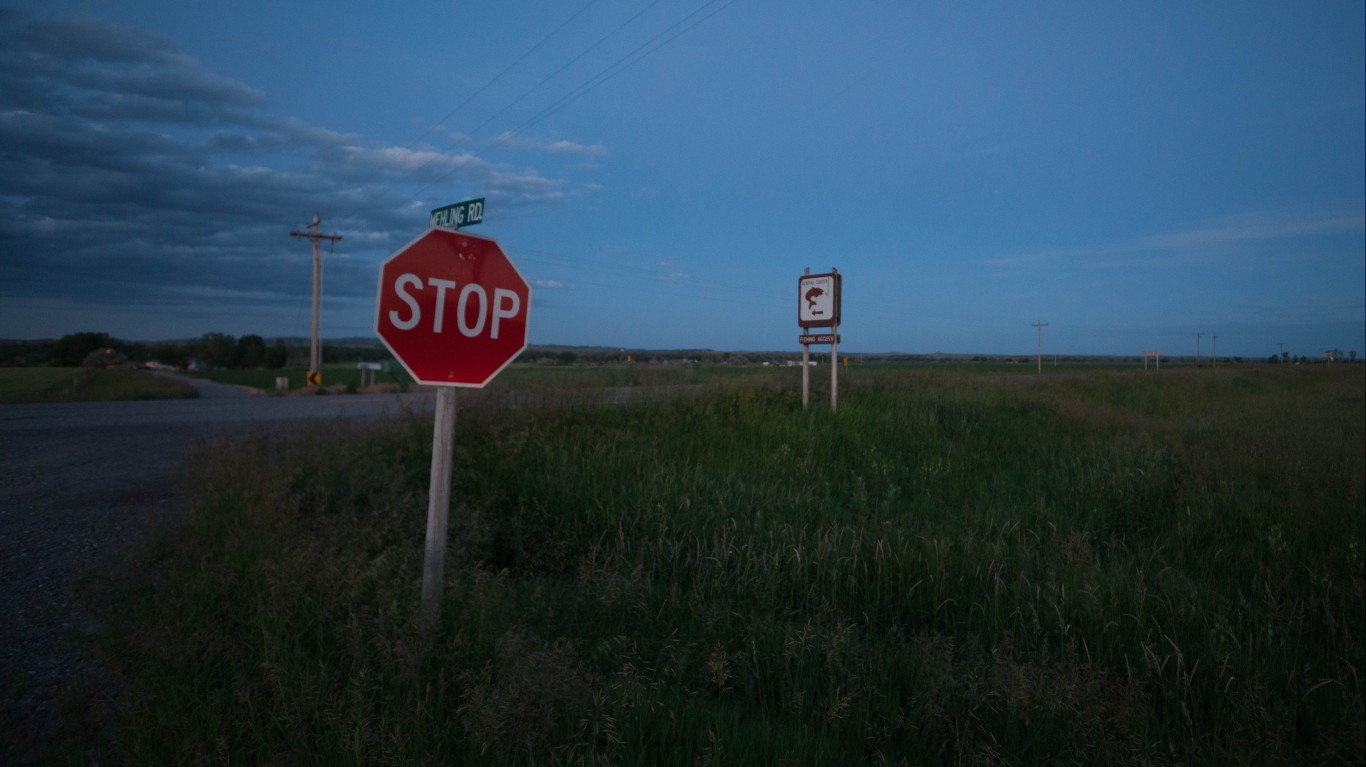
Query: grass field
x=264, y=379
x=522, y=378
x=961, y=566
x=86, y=385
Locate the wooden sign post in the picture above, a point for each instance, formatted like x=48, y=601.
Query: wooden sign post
x=438, y=507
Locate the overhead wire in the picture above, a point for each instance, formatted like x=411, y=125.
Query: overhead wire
x=618, y=66
x=509, y=67
x=565, y=66
x=711, y=291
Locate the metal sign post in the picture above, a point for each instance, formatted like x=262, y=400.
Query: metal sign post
x=818, y=306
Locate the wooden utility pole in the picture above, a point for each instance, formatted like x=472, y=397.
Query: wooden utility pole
x=1214, y=352
x=1039, y=326
x=315, y=358
x=1197, y=348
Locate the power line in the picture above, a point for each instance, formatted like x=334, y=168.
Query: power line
x=618, y=67
x=509, y=67
x=612, y=70
x=566, y=65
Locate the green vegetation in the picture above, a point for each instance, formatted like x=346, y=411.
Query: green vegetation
x=264, y=379
x=961, y=566
x=546, y=379
x=87, y=385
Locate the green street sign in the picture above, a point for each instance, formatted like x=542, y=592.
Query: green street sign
x=458, y=215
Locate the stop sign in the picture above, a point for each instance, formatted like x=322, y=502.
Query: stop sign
x=452, y=308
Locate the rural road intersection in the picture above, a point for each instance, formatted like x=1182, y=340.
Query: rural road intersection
x=80, y=482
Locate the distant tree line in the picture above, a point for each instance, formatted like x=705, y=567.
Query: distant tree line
x=99, y=349
x=1329, y=355
x=221, y=350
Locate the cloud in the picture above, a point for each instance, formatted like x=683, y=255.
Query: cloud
x=1261, y=226
x=402, y=160
x=572, y=148
x=1228, y=235
x=549, y=284
x=510, y=140
x=130, y=174
x=57, y=40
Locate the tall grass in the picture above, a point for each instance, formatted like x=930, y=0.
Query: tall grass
x=957, y=567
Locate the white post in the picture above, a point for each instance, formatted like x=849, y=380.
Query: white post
x=806, y=361
x=806, y=375
x=834, y=370
x=438, y=508
x=315, y=356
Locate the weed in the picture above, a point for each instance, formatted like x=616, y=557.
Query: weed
x=960, y=566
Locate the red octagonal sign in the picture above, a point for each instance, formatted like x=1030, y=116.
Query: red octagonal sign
x=452, y=308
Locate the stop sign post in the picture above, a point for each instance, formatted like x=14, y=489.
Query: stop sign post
x=453, y=310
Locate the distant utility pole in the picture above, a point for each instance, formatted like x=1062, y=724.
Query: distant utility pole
x=1281, y=358
x=1197, y=348
x=315, y=359
x=1039, y=326
x=1214, y=352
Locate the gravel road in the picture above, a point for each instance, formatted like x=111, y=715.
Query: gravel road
x=81, y=482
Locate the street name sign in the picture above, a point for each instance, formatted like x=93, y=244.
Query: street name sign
x=458, y=215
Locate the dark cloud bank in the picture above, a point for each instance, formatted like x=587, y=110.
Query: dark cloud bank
x=131, y=178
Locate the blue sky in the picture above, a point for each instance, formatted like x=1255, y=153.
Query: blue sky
x=1130, y=174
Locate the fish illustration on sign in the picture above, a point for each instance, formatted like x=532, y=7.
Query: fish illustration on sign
x=811, y=296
